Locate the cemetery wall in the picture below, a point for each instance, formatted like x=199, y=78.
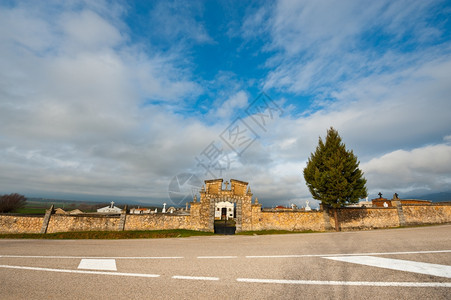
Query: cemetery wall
x=349, y=219
x=365, y=218
x=159, y=221
x=292, y=221
x=427, y=214
x=20, y=224
x=65, y=223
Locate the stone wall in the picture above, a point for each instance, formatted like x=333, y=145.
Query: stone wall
x=427, y=214
x=158, y=222
x=365, y=218
x=355, y=218
x=20, y=224
x=292, y=221
x=64, y=223
x=349, y=219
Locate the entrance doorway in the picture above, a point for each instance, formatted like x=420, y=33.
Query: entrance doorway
x=225, y=222
x=225, y=226
x=214, y=196
x=224, y=213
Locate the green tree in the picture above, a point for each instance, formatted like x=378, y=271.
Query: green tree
x=332, y=174
x=11, y=202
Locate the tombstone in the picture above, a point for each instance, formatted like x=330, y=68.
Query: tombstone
x=385, y=204
x=156, y=210
x=164, y=208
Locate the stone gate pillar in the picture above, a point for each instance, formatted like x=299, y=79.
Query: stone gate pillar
x=214, y=192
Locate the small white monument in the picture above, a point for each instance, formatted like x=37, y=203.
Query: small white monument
x=164, y=208
x=307, y=207
x=110, y=209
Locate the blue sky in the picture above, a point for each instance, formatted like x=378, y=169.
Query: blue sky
x=114, y=99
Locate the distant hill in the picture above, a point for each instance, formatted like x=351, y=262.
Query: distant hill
x=118, y=202
x=49, y=200
x=435, y=197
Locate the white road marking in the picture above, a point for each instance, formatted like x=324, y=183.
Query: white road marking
x=282, y=256
x=346, y=254
x=194, y=277
x=398, y=264
x=98, y=264
x=93, y=257
x=352, y=283
x=248, y=256
x=217, y=257
x=248, y=280
x=80, y=271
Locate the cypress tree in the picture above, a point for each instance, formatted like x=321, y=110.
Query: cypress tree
x=332, y=174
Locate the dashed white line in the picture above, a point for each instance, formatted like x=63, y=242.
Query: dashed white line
x=80, y=271
x=92, y=257
x=398, y=264
x=247, y=280
x=282, y=256
x=195, y=278
x=248, y=256
x=349, y=283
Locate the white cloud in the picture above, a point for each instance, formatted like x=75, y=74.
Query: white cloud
x=31, y=33
x=232, y=105
x=427, y=167
x=87, y=31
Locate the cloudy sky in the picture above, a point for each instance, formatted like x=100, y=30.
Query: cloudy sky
x=115, y=99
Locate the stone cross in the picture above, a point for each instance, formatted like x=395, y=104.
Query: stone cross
x=112, y=204
x=380, y=195
x=226, y=184
x=164, y=208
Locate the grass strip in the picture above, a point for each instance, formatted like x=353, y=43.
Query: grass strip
x=109, y=235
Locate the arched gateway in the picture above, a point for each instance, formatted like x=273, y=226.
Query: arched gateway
x=214, y=192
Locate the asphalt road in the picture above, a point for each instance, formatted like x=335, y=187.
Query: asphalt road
x=383, y=264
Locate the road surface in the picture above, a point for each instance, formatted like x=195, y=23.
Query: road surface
x=389, y=264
